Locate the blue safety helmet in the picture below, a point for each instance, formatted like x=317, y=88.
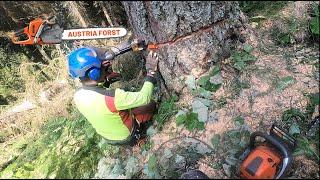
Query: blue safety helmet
x=84, y=62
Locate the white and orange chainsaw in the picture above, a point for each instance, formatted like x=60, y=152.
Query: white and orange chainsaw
x=46, y=31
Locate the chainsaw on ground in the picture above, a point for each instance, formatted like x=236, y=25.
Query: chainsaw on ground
x=269, y=159
x=47, y=31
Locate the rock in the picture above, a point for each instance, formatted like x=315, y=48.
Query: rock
x=167, y=153
x=255, y=93
x=204, y=93
x=191, y=82
x=206, y=102
x=216, y=79
x=226, y=169
x=294, y=129
x=104, y=167
x=202, y=149
x=181, y=112
x=151, y=131
x=117, y=170
x=180, y=162
x=213, y=116
x=201, y=109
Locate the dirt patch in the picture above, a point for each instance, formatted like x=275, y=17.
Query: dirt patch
x=310, y=168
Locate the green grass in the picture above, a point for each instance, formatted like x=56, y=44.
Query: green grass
x=166, y=109
x=64, y=148
x=314, y=22
x=10, y=81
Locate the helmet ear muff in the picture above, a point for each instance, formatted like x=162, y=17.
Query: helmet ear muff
x=94, y=73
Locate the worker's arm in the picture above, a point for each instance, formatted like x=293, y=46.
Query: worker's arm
x=121, y=100
x=127, y=100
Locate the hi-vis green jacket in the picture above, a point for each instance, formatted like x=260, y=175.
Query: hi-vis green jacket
x=101, y=107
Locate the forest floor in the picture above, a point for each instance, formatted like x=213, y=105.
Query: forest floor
x=283, y=81
x=277, y=81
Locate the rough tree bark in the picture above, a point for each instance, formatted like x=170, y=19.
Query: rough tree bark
x=193, y=35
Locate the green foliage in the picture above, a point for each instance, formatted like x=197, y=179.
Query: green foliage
x=215, y=140
x=204, y=81
x=237, y=86
x=151, y=169
x=229, y=146
x=314, y=100
x=64, y=149
x=190, y=120
x=285, y=36
x=292, y=113
x=221, y=102
x=203, y=87
x=264, y=8
x=147, y=146
x=216, y=70
x=166, y=109
x=239, y=121
x=293, y=119
x=314, y=22
x=10, y=79
x=296, y=122
x=181, y=153
x=285, y=82
x=241, y=59
x=305, y=147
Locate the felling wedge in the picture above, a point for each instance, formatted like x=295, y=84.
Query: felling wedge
x=41, y=31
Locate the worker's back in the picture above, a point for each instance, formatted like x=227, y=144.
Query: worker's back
x=93, y=106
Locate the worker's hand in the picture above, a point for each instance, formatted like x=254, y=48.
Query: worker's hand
x=152, y=62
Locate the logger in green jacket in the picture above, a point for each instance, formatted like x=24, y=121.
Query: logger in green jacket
x=114, y=113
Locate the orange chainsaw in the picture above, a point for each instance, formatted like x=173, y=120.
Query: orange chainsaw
x=34, y=33
x=269, y=159
x=40, y=31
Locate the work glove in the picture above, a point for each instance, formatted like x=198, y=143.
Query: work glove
x=152, y=62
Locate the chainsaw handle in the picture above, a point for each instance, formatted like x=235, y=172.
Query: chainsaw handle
x=287, y=158
x=19, y=33
x=136, y=45
x=110, y=55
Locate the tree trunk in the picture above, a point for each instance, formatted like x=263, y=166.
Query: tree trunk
x=192, y=35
